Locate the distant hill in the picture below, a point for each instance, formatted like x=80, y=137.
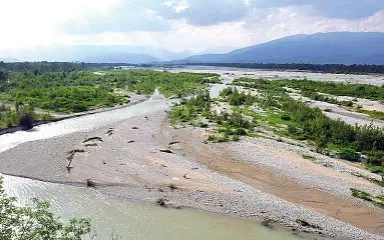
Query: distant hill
x=98, y=54
x=9, y=60
x=118, y=58
x=319, y=48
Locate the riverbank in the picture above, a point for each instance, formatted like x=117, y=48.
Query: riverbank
x=144, y=159
x=136, y=99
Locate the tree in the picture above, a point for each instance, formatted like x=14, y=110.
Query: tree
x=36, y=222
x=3, y=75
x=27, y=117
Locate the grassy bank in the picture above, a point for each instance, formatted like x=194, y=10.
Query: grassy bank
x=273, y=110
x=78, y=91
x=72, y=90
x=308, y=88
x=22, y=116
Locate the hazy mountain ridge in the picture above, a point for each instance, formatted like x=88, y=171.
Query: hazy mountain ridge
x=7, y=59
x=319, y=48
x=97, y=53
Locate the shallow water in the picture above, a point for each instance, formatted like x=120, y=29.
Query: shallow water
x=275, y=74
x=138, y=221
x=115, y=216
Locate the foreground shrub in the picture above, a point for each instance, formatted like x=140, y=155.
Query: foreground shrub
x=349, y=154
x=27, y=118
x=36, y=222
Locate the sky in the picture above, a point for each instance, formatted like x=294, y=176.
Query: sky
x=178, y=25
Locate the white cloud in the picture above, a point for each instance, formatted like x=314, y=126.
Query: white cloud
x=172, y=24
x=177, y=6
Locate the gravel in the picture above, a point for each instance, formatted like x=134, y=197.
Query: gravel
x=277, y=162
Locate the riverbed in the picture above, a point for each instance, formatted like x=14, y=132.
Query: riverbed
x=135, y=219
x=114, y=216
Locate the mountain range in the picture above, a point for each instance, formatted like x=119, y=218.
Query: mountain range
x=97, y=53
x=318, y=48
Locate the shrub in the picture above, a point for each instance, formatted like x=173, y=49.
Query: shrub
x=361, y=194
x=27, y=118
x=375, y=157
x=349, y=154
x=36, y=221
x=286, y=117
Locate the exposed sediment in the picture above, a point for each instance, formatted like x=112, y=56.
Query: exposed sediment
x=145, y=159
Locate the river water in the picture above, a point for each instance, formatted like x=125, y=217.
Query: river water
x=120, y=217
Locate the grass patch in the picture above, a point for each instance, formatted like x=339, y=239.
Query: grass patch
x=309, y=157
x=311, y=124
x=374, y=114
x=378, y=200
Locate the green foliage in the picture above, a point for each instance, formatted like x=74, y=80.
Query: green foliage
x=236, y=98
x=23, y=116
x=191, y=109
x=237, y=120
x=231, y=126
x=3, y=75
x=214, y=79
x=216, y=138
x=286, y=117
x=146, y=81
x=375, y=158
x=361, y=194
x=36, y=222
x=369, y=137
x=309, y=157
x=349, y=154
x=64, y=88
x=226, y=92
x=378, y=200
x=325, y=68
x=311, y=88
x=65, y=98
x=313, y=125
x=27, y=118
x=41, y=67
x=374, y=114
x=324, y=98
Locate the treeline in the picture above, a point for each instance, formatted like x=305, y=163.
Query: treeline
x=65, y=98
x=78, y=91
x=42, y=67
x=146, y=81
x=323, y=68
x=329, y=133
x=308, y=87
x=23, y=116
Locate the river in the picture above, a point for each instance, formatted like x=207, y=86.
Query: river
x=116, y=216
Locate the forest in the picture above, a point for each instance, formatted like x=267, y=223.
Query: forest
x=41, y=67
x=309, y=87
x=66, y=88
x=322, y=68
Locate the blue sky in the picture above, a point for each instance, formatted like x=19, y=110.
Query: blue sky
x=179, y=24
